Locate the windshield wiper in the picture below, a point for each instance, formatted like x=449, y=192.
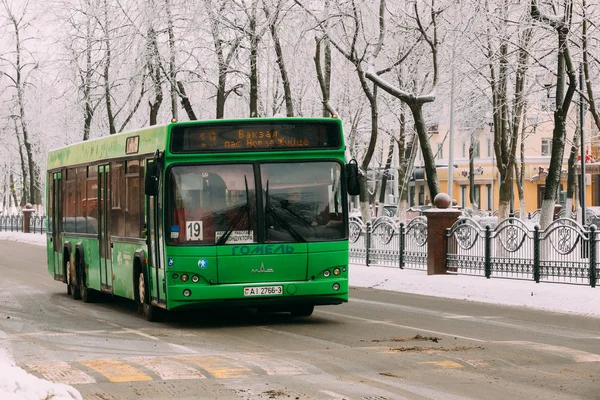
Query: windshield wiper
x=238, y=217
x=279, y=220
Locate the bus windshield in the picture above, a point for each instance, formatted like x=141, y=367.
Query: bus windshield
x=302, y=201
x=217, y=204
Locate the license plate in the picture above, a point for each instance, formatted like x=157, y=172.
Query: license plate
x=263, y=290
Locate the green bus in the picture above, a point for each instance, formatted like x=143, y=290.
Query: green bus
x=240, y=212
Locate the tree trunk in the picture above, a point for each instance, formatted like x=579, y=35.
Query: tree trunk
x=88, y=113
x=222, y=81
x=520, y=171
x=324, y=78
x=572, y=174
x=285, y=79
x=107, y=95
x=253, y=64
x=24, y=173
x=586, y=68
x=13, y=192
x=428, y=158
x=327, y=77
x=403, y=170
x=185, y=102
x=558, y=135
x=386, y=171
x=363, y=198
x=31, y=188
x=222, y=60
x=172, y=68
x=372, y=96
x=154, y=69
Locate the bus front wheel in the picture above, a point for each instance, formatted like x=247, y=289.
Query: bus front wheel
x=150, y=312
x=304, y=310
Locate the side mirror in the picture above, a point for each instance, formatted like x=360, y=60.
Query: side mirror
x=352, y=178
x=151, y=179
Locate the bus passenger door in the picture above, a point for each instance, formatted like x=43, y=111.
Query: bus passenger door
x=56, y=222
x=104, y=228
x=156, y=271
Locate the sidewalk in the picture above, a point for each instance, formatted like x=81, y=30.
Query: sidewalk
x=558, y=297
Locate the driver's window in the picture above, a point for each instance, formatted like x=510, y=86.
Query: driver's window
x=302, y=201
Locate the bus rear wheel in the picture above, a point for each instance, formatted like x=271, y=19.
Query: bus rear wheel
x=73, y=288
x=303, y=310
x=87, y=295
x=152, y=313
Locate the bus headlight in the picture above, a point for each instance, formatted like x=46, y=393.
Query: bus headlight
x=175, y=276
x=187, y=292
x=184, y=278
x=336, y=286
x=195, y=278
x=326, y=273
x=336, y=271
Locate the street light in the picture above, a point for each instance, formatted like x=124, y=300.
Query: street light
x=583, y=154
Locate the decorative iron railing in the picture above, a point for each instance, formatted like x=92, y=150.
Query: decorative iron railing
x=15, y=223
x=564, y=252
x=385, y=242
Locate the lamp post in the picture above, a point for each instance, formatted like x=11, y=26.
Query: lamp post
x=583, y=153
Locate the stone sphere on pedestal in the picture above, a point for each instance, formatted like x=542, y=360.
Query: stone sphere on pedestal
x=442, y=200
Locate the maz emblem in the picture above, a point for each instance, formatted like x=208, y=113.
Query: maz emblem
x=262, y=269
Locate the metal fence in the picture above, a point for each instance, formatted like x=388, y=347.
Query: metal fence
x=385, y=242
x=564, y=252
x=14, y=223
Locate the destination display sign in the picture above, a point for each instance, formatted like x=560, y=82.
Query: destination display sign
x=250, y=136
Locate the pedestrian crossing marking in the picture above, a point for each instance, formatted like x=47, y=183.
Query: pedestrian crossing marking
x=444, y=364
x=479, y=363
x=60, y=372
x=219, y=367
x=576, y=355
x=277, y=367
x=116, y=371
x=166, y=368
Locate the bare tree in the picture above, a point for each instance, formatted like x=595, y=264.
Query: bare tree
x=586, y=64
x=223, y=60
x=20, y=70
x=415, y=102
x=561, y=24
x=172, y=72
x=154, y=66
x=82, y=45
x=285, y=79
x=356, y=57
x=324, y=77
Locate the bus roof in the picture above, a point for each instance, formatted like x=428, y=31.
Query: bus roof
x=148, y=141
x=108, y=147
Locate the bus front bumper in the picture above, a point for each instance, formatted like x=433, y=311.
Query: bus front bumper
x=239, y=295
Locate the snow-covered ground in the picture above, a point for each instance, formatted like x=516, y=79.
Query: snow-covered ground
x=15, y=383
x=558, y=297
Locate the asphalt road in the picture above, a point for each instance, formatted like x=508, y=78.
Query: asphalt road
x=381, y=345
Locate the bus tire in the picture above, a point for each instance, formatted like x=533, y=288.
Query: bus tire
x=67, y=279
x=87, y=295
x=151, y=312
x=303, y=310
x=72, y=281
